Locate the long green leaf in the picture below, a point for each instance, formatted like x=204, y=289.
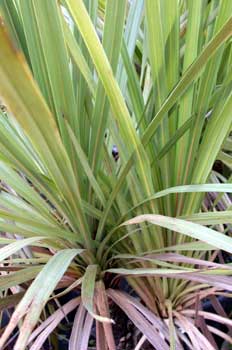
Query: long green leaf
x=12, y=248
x=188, y=77
x=31, y=113
x=37, y=295
x=87, y=292
x=193, y=230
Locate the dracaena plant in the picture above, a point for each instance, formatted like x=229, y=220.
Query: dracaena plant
x=151, y=79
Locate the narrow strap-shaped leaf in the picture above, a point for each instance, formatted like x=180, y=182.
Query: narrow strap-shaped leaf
x=172, y=141
x=78, y=57
x=18, y=277
x=119, y=108
x=221, y=282
x=10, y=301
x=205, y=234
x=57, y=315
x=121, y=113
x=48, y=326
x=48, y=52
x=37, y=295
x=112, y=37
x=12, y=248
x=156, y=49
x=134, y=89
x=210, y=218
x=87, y=292
x=223, y=188
x=103, y=308
x=188, y=77
x=139, y=320
x=207, y=83
x=9, y=11
x=191, y=51
x=23, y=189
x=215, y=133
x=84, y=162
x=186, y=80
x=41, y=230
x=77, y=329
x=130, y=36
x=22, y=96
